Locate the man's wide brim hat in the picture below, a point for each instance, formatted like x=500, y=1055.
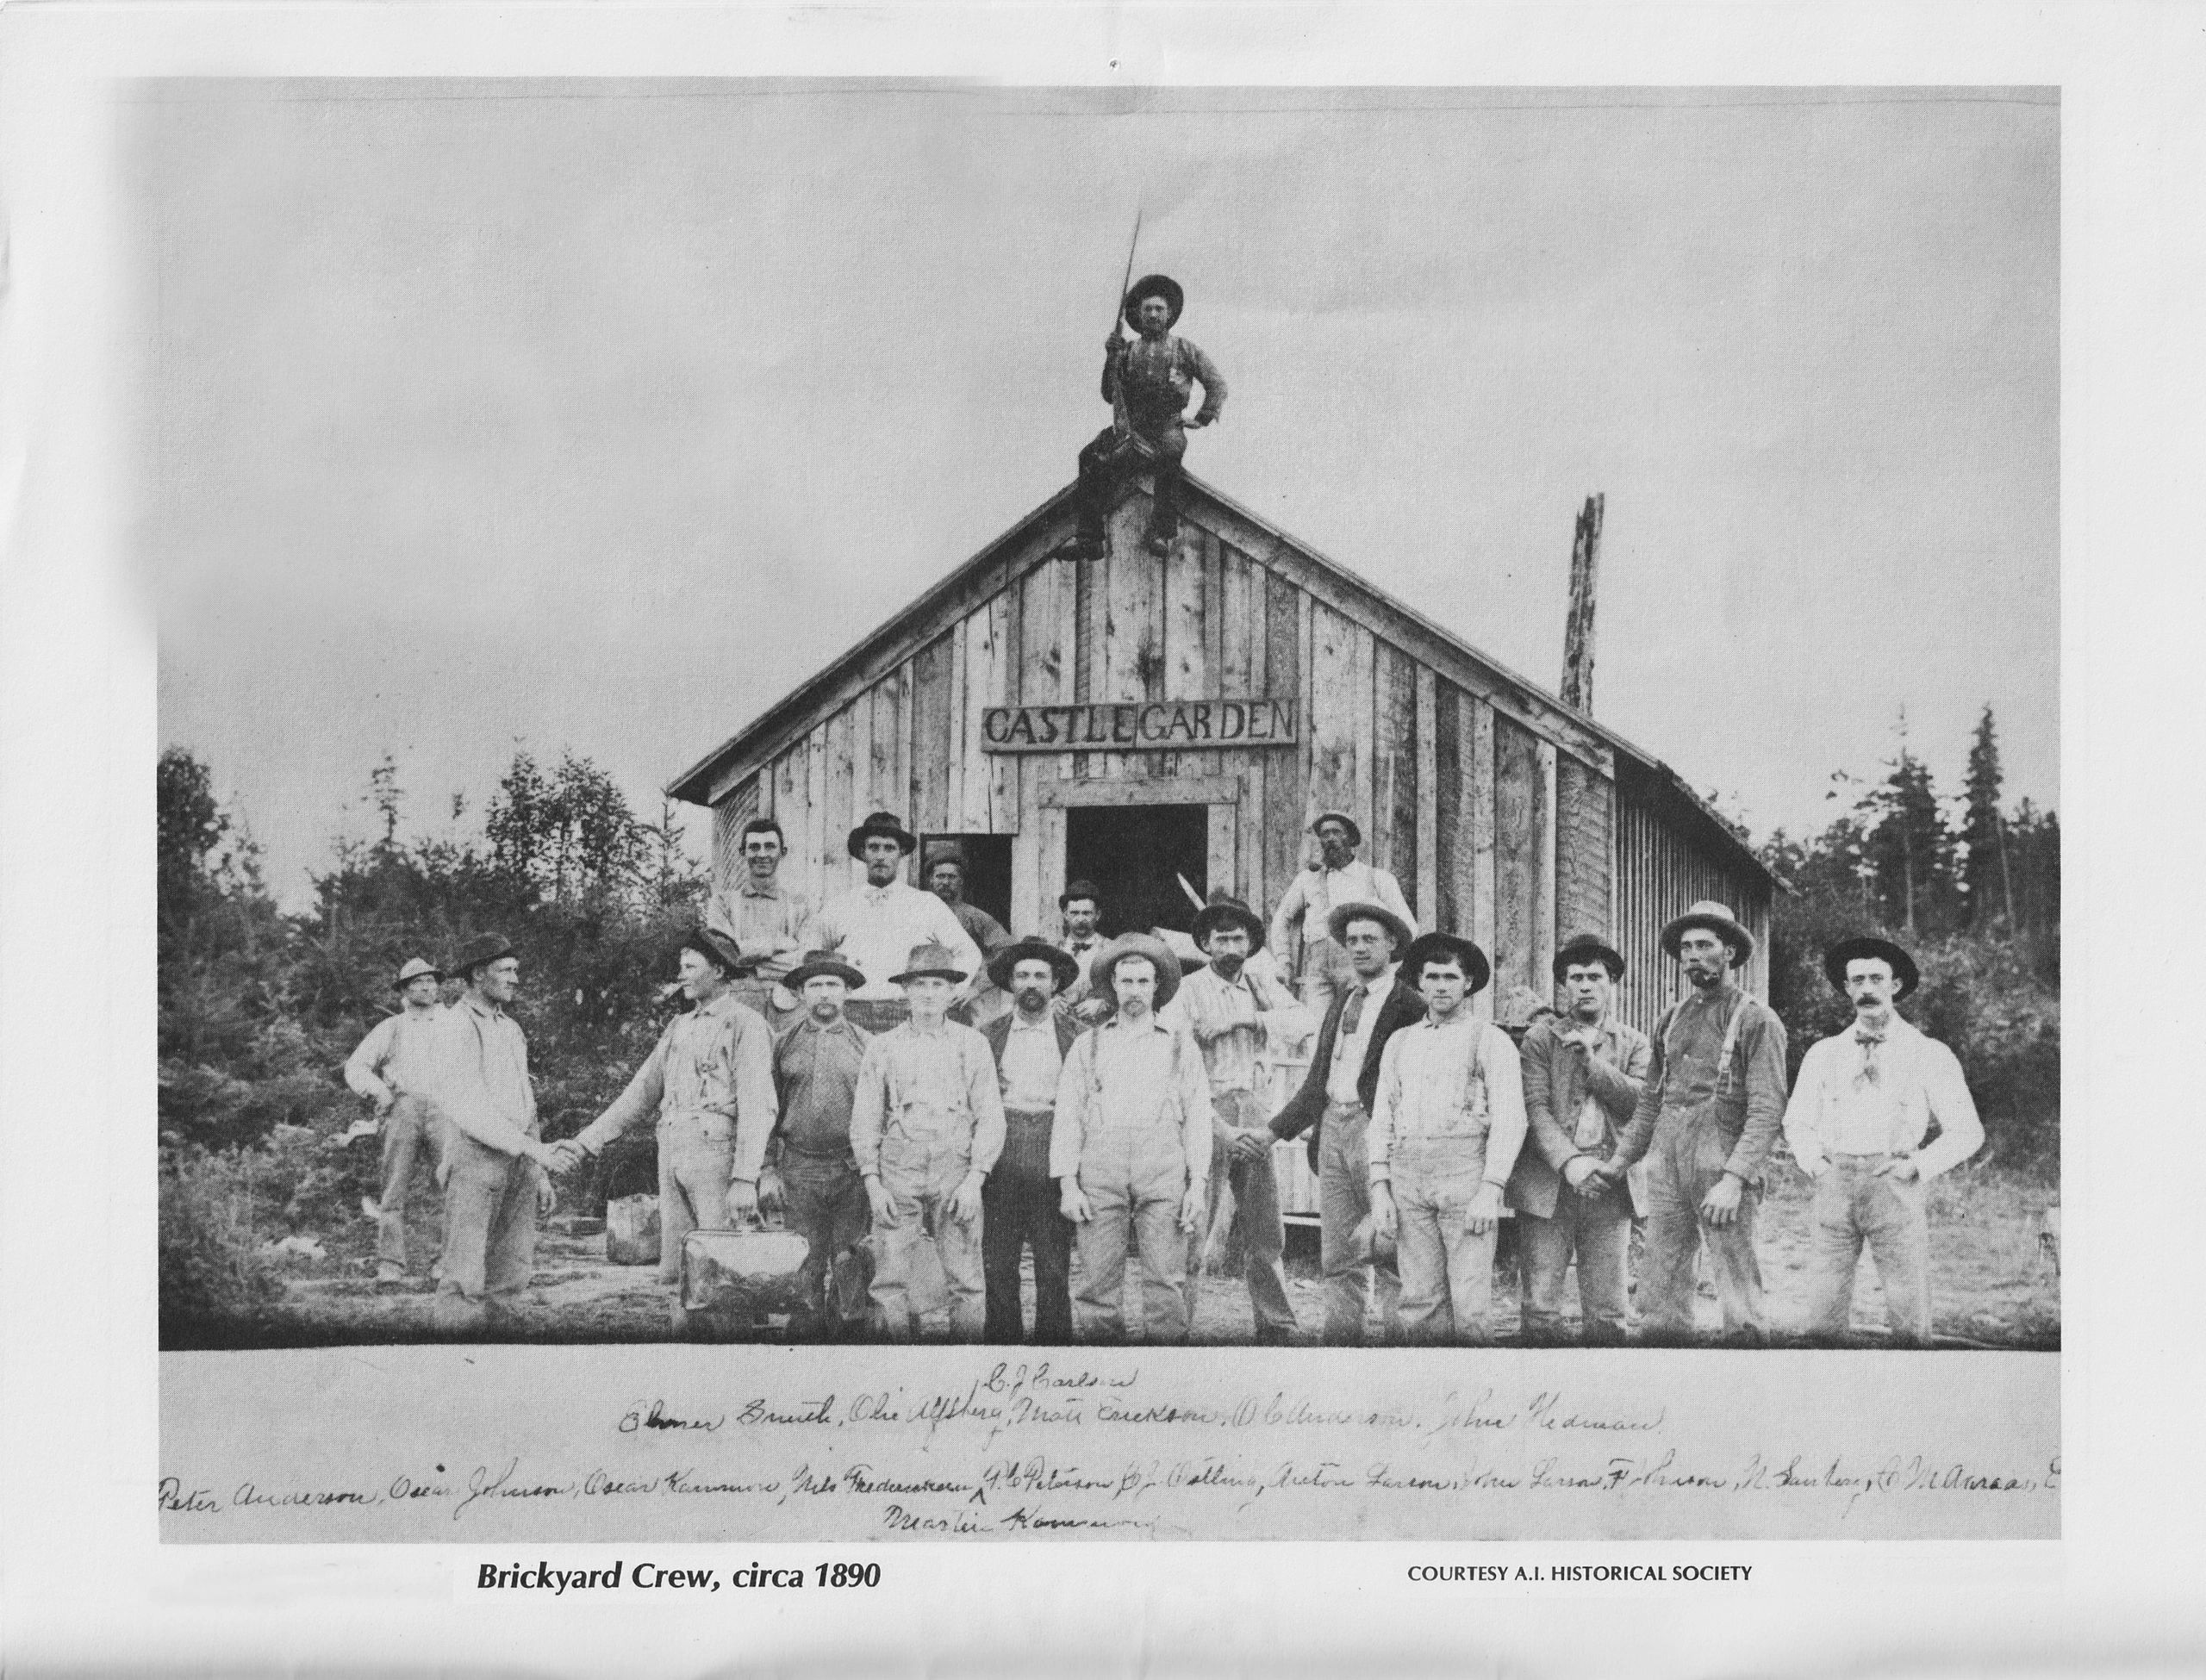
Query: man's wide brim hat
x=948, y=852
x=1063, y=965
x=1718, y=920
x=1155, y=285
x=882, y=822
x=817, y=963
x=927, y=961
x=1476, y=969
x=1225, y=912
x=1588, y=948
x=483, y=949
x=414, y=968
x=1355, y=833
x=1336, y=924
x=719, y=949
x=1104, y=965
x=1905, y=974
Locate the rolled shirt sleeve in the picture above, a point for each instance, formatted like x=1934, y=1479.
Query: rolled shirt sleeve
x=646, y=1089
x=1960, y=1130
x=365, y=1066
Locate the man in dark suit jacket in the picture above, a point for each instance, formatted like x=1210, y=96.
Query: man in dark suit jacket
x=1019, y=1201
x=1334, y=1106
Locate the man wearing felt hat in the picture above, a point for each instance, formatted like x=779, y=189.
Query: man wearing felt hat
x=1334, y=1106
x=816, y=1062
x=945, y=873
x=1584, y=1071
x=1707, y=1116
x=1234, y=1010
x=1445, y=1133
x=1301, y=925
x=1856, y=1124
x=496, y=1167
x=874, y=927
x=1019, y=1202
x=1147, y=383
x=707, y=1086
x=925, y=1129
x=1131, y=1144
x=393, y=1068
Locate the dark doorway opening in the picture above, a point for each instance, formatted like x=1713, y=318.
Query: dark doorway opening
x=1135, y=853
x=988, y=869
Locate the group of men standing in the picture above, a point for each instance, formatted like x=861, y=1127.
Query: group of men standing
x=925, y=1098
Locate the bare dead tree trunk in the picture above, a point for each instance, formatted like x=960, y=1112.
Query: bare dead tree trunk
x=1578, y=626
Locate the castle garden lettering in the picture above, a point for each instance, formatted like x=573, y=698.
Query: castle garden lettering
x=1134, y=726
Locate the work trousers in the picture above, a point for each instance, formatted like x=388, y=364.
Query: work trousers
x=921, y=1171
x=410, y=1138
x=825, y=1204
x=1257, y=1222
x=1135, y=1177
x=1109, y=461
x=696, y=1157
x=1344, y=1202
x=1688, y=1154
x=489, y=1229
x=1854, y=1205
x=1596, y=1229
x=1020, y=1205
x=1446, y=1268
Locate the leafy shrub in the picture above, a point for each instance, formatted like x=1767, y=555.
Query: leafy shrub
x=211, y=1267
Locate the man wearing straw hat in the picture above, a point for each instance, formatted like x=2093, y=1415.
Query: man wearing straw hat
x=874, y=927
x=1147, y=382
x=1584, y=1071
x=393, y=1068
x=1864, y=1104
x=816, y=1064
x=1707, y=1116
x=1019, y=1203
x=497, y=1166
x=1234, y=1010
x=1334, y=1106
x=1301, y=926
x=1130, y=1145
x=1444, y=1135
x=925, y=1128
x=707, y=1086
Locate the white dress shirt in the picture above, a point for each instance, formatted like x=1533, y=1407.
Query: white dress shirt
x=1855, y=1099
x=1350, y=1048
x=875, y=929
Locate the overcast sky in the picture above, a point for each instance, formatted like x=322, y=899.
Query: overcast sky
x=599, y=416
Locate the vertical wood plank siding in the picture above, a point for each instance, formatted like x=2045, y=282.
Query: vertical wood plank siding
x=1392, y=835
x=1659, y=873
x=1519, y=821
x=729, y=816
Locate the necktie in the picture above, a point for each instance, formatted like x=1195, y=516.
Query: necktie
x=1868, y=1042
x=1352, y=1017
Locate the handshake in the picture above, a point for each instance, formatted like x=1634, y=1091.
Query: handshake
x=560, y=1158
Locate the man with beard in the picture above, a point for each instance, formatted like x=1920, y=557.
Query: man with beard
x=945, y=877
x=392, y=1068
x=876, y=927
x=1131, y=1143
x=925, y=1128
x=1081, y=907
x=707, y=1086
x=497, y=1166
x=767, y=919
x=1335, y=1106
x=1864, y=1102
x=1707, y=1116
x=816, y=1065
x=1020, y=1201
x=1233, y=1011
x=1303, y=920
x=1583, y=1075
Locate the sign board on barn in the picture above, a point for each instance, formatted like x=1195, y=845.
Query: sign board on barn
x=1257, y=720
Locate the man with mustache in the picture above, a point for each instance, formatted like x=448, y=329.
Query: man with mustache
x=1863, y=1105
x=876, y=927
x=1234, y=1010
x=1019, y=1202
x=816, y=1065
x=1707, y=1116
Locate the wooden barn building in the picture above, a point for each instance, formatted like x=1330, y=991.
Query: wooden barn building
x=1131, y=718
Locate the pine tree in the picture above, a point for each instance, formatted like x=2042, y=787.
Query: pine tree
x=1990, y=872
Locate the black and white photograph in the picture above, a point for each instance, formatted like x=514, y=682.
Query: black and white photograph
x=1416, y=901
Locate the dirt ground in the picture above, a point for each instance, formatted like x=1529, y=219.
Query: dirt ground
x=1991, y=1286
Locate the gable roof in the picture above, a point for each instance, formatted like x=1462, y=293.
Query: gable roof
x=1031, y=542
